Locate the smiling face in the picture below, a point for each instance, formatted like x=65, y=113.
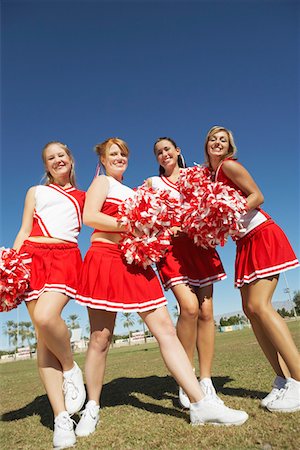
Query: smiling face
x=115, y=161
x=218, y=145
x=58, y=163
x=167, y=154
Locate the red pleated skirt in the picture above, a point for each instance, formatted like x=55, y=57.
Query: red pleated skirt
x=263, y=252
x=108, y=283
x=54, y=267
x=186, y=263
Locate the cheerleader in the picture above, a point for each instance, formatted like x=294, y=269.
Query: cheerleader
x=108, y=285
x=263, y=252
x=190, y=272
x=51, y=222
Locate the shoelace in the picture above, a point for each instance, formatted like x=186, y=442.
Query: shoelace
x=282, y=391
x=210, y=391
x=69, y=386
x=91, y=410
x=65, y=423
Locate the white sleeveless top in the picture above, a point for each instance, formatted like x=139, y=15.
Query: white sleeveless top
x=165, y=184
x=117, y=194
x=58, y=212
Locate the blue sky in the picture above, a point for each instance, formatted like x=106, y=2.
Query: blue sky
x=82, y=71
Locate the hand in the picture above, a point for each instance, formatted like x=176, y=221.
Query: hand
x=175, y=231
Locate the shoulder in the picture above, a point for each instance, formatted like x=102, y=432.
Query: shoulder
x=231, y=166
x=149, y=181
x=101, y=180
x=31, y=192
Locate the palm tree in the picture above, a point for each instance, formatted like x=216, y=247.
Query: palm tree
x=12, y=332
x=26, y=332
x=128, y=321
x=141, y=322
x=73, y=321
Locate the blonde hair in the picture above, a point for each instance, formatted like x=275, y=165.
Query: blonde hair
x=47, y=175
x=103, y=147
x=232, y=147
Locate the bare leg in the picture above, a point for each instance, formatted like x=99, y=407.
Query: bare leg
x=187, y=321
x=270, y=329
x=205, y=331
x=102, y=327
x=52, y=328
x=159, y=323
x=50, y=369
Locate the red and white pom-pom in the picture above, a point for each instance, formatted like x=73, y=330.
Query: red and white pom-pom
x=193, y=182
x=148, y=215
x=14, y=277
x=213, y=214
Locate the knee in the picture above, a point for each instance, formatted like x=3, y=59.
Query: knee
x=189, y=312
x=254, y=309
x=100, y=341
x=206, y=315
x=166, y=331
x=44, y=322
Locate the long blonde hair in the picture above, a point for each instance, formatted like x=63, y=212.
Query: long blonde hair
x=48, y=178
x=232, y=147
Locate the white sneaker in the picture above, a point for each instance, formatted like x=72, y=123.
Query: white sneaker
x=278, y=384
x=74, y=390
x=288, y=399
x=89, y=419
x=184, y=401
x=64, y=435
x=213, y=411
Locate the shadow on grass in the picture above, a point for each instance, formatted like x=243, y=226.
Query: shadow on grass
x=124, y=391
x=220, y=382
x=40, y=406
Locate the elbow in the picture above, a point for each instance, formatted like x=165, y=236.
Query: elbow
x=261, y=199
x=87, y=219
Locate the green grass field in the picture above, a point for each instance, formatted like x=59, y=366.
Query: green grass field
x=139, y=403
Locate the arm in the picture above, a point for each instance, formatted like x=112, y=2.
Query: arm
x=242, y=178
x=27, y=219
x=95, y=197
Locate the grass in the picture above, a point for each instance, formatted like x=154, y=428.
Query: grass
x=139, y=403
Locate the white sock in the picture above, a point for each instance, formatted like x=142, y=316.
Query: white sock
x=206, y=381
x=69, y=373
x=297, y=383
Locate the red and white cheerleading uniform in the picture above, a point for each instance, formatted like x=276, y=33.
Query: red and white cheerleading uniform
x=55, y=267
x=185, y=262
x=263, y=249
x=107, y=282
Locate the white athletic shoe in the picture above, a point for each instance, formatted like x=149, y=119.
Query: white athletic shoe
x=64, y=435
x=184, y=401
x=288, y=399
x=212, y=411
x=89, y=419
x=278, y=384
x=74, y=390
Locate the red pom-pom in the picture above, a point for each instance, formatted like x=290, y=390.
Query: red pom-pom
x=211, y=211
x=148, y=215
x=14, y=277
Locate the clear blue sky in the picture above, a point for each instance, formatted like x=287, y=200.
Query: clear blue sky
x=82, y=71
